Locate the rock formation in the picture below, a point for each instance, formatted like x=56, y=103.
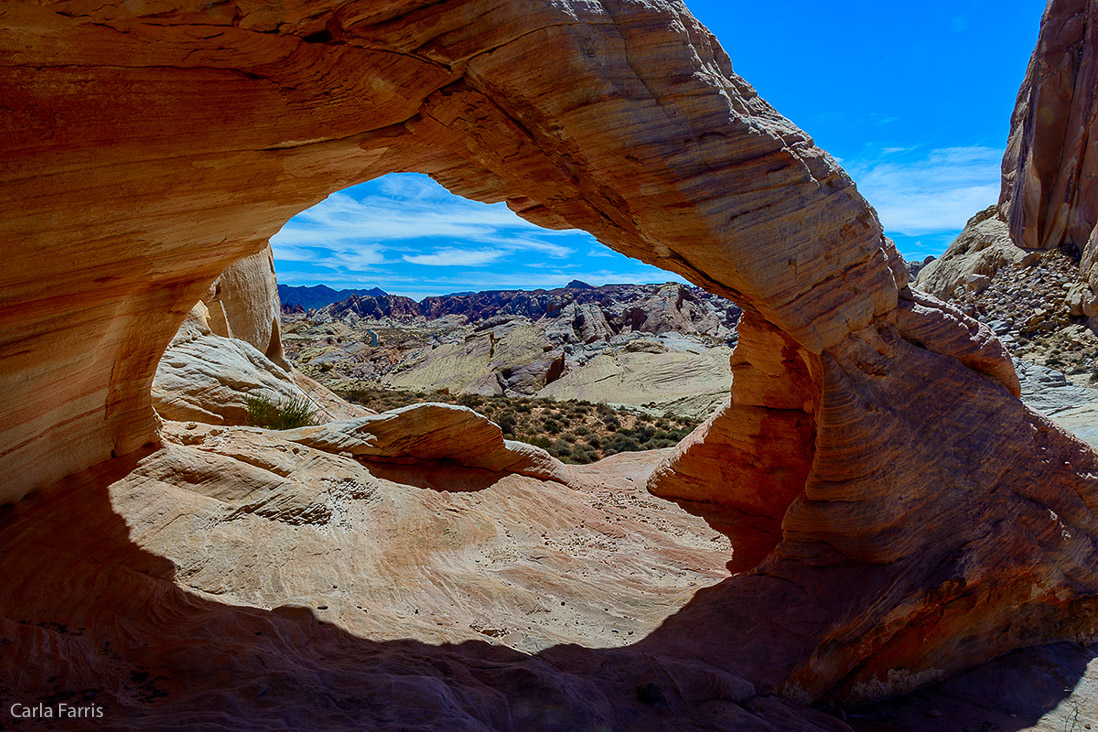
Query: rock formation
x=208, y=378
x=1028, y=263
x=431, y=433
x=1049, y=196
x=940, y=522
x=1050, y=171
x=658, y=346
x=243, y=304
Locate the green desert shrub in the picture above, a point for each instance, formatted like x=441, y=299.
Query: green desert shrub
x=506, y=422
x=561, y=450
x=582, y=454
x=539, y=441
x=279, y=414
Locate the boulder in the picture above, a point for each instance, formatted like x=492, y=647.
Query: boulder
x=981, y=250
x=431, y=432
x=207, y=378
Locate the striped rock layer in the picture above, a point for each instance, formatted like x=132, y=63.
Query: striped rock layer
x=902, y=514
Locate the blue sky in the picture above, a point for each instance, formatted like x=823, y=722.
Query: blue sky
x=914, y=99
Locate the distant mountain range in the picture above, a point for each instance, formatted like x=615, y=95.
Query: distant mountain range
x=477, y=306
x=317, y=296
x=665, y=347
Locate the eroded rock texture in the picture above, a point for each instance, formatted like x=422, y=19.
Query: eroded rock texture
x=1050, y=171
x=207, y=377
x=243, y=304
x=1049, y=196
x=939, y=523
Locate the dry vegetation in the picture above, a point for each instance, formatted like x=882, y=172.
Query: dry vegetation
x=574, y=432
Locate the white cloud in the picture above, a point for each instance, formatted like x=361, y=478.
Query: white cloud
x=410, y=236
x=917, y=195
x=406, y=208
x=450, y=257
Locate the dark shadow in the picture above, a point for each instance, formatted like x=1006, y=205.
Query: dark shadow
x=445, y=476
x=1009, y=693
x=89, y=618
x=752, y=537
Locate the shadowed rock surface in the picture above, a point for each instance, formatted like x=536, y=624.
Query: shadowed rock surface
x=940, y=522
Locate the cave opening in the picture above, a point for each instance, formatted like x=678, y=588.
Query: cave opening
x=584, y=371
x=395, y=291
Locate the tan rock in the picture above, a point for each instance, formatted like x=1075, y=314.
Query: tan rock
x=243, y=303
x=982, y=249
x=690, y=384
x=431, y=432
x=940, y=522
x=207, y=378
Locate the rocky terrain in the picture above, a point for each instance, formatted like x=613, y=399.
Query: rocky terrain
x=1029, y=265
x=871, y=511
x=663, y=347
x=1032, y=299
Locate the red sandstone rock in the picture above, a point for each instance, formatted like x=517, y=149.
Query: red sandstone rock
x=940, y=522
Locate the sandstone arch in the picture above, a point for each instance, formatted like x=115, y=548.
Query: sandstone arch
x=149, y=147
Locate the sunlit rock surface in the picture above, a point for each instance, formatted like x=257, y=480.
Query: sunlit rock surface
x=940, y=523
x=1049, y=196
x=209, y=378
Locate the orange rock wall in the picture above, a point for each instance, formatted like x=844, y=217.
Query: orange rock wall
x=155, y=144
x=150, y=145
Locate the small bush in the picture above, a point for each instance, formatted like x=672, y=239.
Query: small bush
x=470, y=400
x=561, y=450
x=284, y=414
x=539, y=441
x=507, y=423
x=583, y=455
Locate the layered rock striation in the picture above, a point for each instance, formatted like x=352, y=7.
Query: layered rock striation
x=920, y=518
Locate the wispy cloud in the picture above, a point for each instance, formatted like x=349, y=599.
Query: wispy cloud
x=408, y=235
x=918, y=193
x=451, y=257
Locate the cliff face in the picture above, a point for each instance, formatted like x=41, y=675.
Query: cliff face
x=1049, y=197
x=243, y=303
x=918, y=519
x=1045, y=220
x=1050, y=171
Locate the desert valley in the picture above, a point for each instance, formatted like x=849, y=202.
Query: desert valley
x=802, y=484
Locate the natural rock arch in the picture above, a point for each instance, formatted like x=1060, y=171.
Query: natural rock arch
x=905, y=491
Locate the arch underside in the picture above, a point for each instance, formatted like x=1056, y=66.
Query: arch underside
x=896, y=492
